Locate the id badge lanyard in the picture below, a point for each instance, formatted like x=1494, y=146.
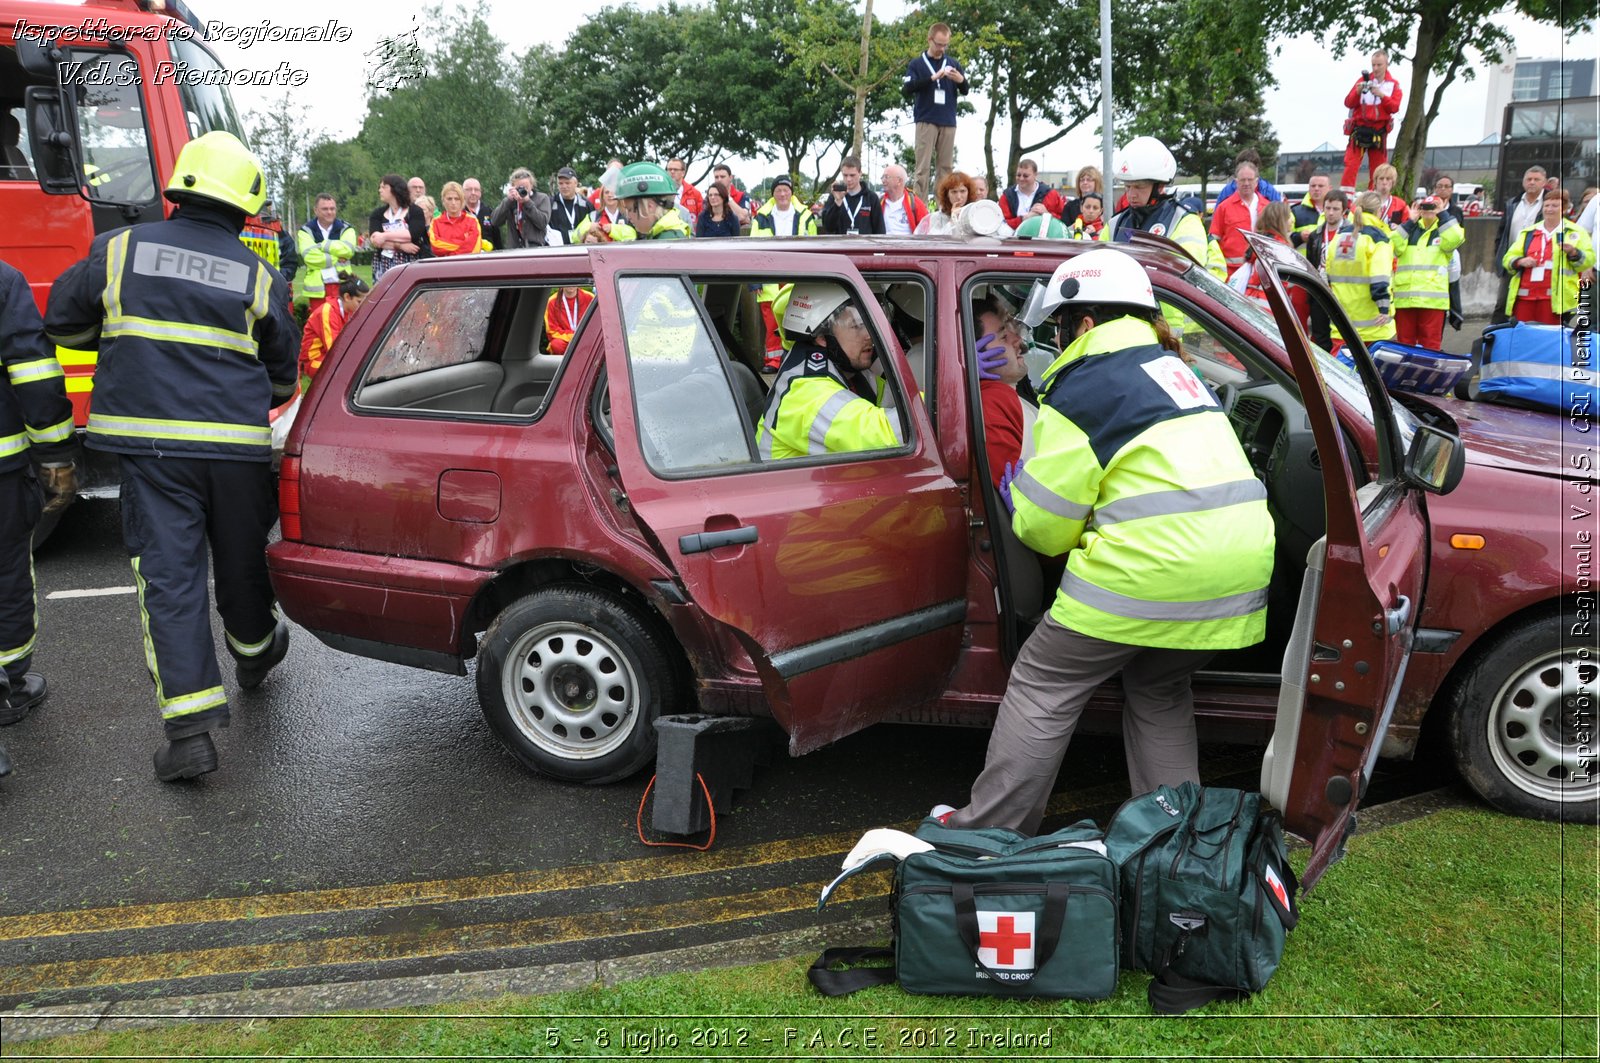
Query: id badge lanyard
x=938, y=90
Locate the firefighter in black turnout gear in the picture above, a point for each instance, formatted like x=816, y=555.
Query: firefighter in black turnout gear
x=196, y=347
x=35, y=426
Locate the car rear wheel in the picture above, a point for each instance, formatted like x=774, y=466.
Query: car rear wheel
x=571, y=681
x=1523, y=726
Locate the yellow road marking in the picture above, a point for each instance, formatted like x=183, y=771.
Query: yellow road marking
x=506, y=884
x=551, y=930
x=405, y=894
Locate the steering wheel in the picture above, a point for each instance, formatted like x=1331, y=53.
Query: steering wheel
x=126, y=170
x=1227, y=395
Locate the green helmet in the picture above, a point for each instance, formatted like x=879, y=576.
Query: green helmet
x=645, y=179
x=218, y=166
x=1042, y=227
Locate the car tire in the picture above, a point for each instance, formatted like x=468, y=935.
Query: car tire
x=571, y=681
x=1512, y=730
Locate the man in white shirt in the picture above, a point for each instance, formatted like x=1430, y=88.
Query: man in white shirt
x=901, y=212
x=1521, y=212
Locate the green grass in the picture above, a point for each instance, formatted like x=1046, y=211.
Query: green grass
x=1463, y=934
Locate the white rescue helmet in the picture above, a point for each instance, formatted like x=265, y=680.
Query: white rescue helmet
x=1145, y=159
x=811, y=304
x=1104, y=276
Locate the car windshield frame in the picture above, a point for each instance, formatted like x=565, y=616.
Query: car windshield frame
x=1342, y=379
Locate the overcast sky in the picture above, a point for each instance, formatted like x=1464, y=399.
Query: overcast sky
x=1305, y=109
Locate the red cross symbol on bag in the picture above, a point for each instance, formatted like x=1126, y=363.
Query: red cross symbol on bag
x=1005, y=940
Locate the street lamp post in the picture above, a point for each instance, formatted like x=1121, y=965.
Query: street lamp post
x=1106, y=144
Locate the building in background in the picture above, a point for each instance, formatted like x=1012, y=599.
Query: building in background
x=1522, y=80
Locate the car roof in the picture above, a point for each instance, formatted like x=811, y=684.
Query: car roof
x=701, y=254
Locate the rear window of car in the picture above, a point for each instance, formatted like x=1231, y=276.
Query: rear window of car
x=468, y=352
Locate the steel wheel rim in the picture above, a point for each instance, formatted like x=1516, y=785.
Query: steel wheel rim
x=1531, y=731
x=570, y=690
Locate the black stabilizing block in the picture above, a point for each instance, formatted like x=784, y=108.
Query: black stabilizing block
x=723, y=750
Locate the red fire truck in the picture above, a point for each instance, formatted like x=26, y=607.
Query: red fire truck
x=96, y=100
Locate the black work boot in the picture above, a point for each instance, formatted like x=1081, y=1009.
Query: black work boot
x=186, y=758
x=250, y=671
x=23, y=696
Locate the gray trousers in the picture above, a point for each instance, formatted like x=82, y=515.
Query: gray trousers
x=1051, y=681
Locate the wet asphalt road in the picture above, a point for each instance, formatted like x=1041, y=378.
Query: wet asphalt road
x=365, y=823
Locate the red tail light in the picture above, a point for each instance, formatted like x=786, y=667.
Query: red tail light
x=289, y=498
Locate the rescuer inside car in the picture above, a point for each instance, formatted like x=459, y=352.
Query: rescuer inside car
x=1138, y=478
x=824, y=400
x=196, y=346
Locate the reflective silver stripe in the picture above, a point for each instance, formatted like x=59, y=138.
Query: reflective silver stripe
x=56, y=433
x=174, y=332
x=1369, y=322
x=1538, y=370
x=193, y=431
x=1229, y=607
x=769, y=422
x=1196, y=500
x=77, y=339
x=10, y=445
x=1435, y=266
x=1030, y=488
x=818, y=434
x=38, y=369
x=1344, y=278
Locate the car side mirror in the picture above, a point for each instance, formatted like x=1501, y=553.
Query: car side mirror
x=1436, y=461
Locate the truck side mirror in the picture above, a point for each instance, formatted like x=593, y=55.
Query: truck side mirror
x=1436, y=461
x=51, y=128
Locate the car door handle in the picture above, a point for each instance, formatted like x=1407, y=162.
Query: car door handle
x=1395, y=617
x=700, y=542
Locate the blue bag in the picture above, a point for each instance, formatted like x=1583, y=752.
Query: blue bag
x=1545, y=366
x=1420, y=369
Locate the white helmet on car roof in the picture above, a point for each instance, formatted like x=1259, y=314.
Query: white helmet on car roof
x=811, y=304
x=1145, y=159
x=1102, y=276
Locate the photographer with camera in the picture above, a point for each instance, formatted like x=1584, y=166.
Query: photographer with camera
x=852, y=209
x=1373, y=100
x=524, y=215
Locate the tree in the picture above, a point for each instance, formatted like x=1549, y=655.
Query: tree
x=779, y=110
x=1039, y=60
x=626, y=85
x=862, y=56
x=1210, y=105
x=280, y=137
x=345, y=169
x=458, y=119
x=1448, y=39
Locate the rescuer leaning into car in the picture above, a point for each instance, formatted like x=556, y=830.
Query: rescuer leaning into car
x=1172, y=567
x=824, y=401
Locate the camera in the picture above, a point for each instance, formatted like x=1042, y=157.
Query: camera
x=838, y=186
x=523, y=192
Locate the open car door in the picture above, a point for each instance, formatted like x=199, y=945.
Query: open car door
x=842, y=576
x=1359, y=603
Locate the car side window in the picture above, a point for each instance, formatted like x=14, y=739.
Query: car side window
x=1216, y=362
x=684, y=404
x=466, y=352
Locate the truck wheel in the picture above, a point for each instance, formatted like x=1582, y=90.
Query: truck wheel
x=1523, y=727
x=571, y=681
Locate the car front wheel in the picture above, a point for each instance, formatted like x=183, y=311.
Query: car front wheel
x=1523, y=728
x=571, y=681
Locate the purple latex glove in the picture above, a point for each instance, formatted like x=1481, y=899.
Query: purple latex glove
x=1007, y=478
x=992, y=357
